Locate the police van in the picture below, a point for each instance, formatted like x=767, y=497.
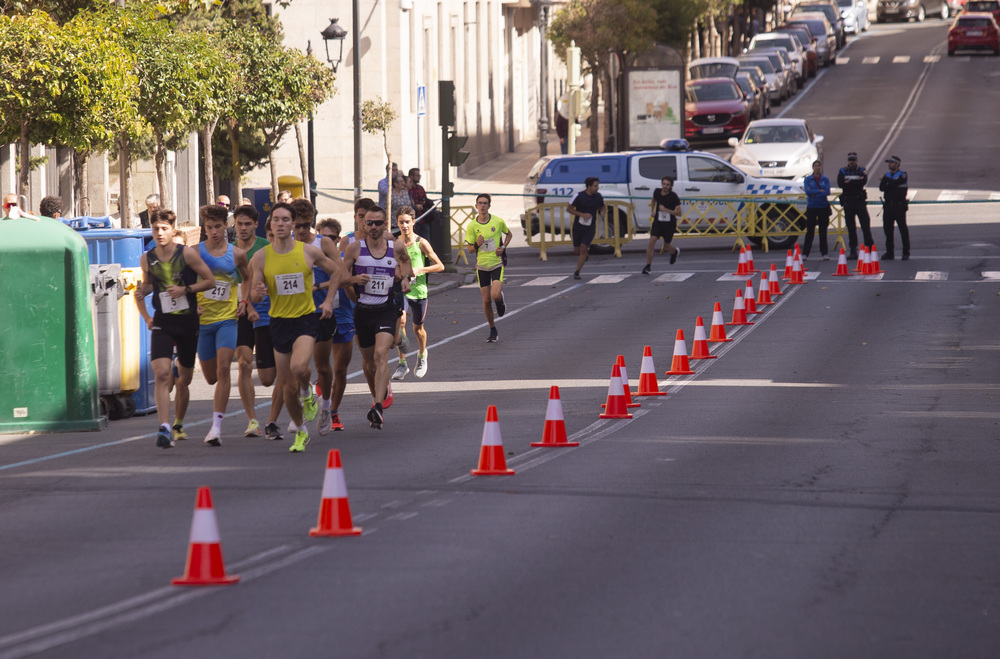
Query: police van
x=632, y=176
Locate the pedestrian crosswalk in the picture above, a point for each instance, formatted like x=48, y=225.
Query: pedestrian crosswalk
x=825, y=272
x=895, y=59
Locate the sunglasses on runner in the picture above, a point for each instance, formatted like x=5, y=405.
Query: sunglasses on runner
x=374, y=223
x=302, y=227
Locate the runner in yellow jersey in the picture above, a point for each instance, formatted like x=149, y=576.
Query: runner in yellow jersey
x=487, y=236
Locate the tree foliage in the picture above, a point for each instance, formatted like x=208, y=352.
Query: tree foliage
x=376, y=118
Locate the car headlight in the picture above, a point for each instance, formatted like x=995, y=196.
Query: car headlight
x=740, y=158
x=805, y=159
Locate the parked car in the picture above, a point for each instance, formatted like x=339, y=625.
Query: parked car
x=808, y=42
x=754, y=95
x=782, y=64
x=787, y=41
x=983, y=7
x=760, y=81
x=713, y=67
x=777, y=88
x=632, y=176
x=829, y=9
x=854, y=13
x=822, y=31
x=974, y=32
x=715, y=109
x=904, y=10
x=777, y=148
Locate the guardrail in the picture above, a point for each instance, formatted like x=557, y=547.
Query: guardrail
x=555, y=227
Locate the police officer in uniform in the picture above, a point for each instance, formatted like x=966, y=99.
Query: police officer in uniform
x=853, y=199
x=894, y=204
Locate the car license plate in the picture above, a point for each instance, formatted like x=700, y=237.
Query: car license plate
x=974, y=33
x=714, y=130
x=770, y=171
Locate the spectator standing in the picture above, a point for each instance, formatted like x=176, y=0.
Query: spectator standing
x=50, y=207
x=894, y=186
x=817, y=209
x=383, y=186
x=152, y=205
x=853, y=198
x=400, y=199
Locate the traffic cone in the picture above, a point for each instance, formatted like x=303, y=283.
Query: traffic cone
x=866, y=267
x=875, y=268
x=788, y=266
x=861, y=259
x=334, y=509
x=648, y=386
x=615, y=408
x=554, y=432
x=491, y=458
x=204, y=559
x=741, y=268
x=773, y=282
x=842, y=270
x=739, y=311
x=749, y=301
x=625, y=386
x=764, y=294
x=680, y=364
x=750, y=267
x=718, y=332
x=797, y=273
x=700, y=348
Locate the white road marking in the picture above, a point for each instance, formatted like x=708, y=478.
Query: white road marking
x=991, y=275
x=544, y=281
x=900, y=59
x=952, y=195
x=995, y=196
x=871, y=60
x=608, y=279
x=931, y=59
x=931, y=275
x=674, y=276
x=843, y=60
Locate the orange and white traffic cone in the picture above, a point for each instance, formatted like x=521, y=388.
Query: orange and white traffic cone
x=615, y=407
x=842, y=270
x=741, y=268
x=680, y=364
x=797, y=273
x=334, y=508
x=773, y=282
x=861, y=259
x=866, y=267
x=718, y=331
x=764, y=294
x=554, y=432
x=788, y=265
x=700, y=348
x=491, y=458
x=625, y=386
x=750, y=267
x=875, y=267
x=739, y=311
x=749, y=301
x=648, y=386
x=204, y=560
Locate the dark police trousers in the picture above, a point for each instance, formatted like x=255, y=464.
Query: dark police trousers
x=894, y=212
x=816, y=217
x=857, y=208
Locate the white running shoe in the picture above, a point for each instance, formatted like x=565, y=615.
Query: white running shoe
x=323, y=421
x=421, y=369
x=401, y=371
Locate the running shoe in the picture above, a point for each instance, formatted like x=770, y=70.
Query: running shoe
x=323, y=423
x=388, y=397
x=673, y=257
x=646, y=270
x=501, y=307
x=213, y=438
x=493, y=337
x=164, y=440
x=272, y=432
x=301, y=439
x=309, y=408
x=253, y=429
x=421, y=369
x=179, y=433
x=576, y=274
x=376, y=416
x=335, y=423
x=401, y=371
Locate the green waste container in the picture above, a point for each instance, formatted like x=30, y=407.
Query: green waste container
x=48, y=356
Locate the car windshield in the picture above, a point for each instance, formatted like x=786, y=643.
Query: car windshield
x=713, y=91
x=712, y=70
x=754, y=75
x=745, y=84
x=827, y=10
x=764, y=63
x=973, y=22
x=982, y=6
x=846, y=4
x=769, y=41
x=816, y=28
x=775, y=134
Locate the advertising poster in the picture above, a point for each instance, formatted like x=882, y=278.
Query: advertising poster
x=656, y=111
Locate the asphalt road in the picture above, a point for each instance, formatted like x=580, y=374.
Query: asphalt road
x=826, y=487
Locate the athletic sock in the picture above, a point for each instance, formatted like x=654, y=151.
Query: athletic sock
x=324, y=403
x=402, y=360
x=164, y=427
x=178, y=422
x=422, y=355
x=217, y=420
x=303, y=393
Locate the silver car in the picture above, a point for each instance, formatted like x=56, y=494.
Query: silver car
x=854, y=14
x=783, y=64
x=790, y=44
x=777, y=84
x=823, y=32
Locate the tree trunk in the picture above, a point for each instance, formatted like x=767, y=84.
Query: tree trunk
x=274, y=173
x=24, y=166
x=234, y=143
x=125, y=183
x=80, y=181
x=388, y=178
x=303, y=162
x=206, y=148
x=159, y=158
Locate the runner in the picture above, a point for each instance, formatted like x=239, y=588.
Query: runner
x=171, y=272
x=379, y=263
x=267, y=371
x=283, y=271
x=246, y=325
x=666, y=208
x=220, y=306
x=305, y=218
x=423, y=260
x=343, y=340
x=488, y=238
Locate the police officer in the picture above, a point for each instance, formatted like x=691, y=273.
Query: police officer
x=853, y=199
x=894, y=204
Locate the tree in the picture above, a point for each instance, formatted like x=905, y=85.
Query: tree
x=600, y=27
x=376, y=117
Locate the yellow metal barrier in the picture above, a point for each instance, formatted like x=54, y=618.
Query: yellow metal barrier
x=555, y=227
x=460, y=216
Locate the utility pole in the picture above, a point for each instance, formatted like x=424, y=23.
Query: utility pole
x=543, y=73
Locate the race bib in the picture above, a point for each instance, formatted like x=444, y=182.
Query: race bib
x=664, y=216
x=378, y=285
x=336, y=299
x=170, y=304
x=586, y=221
x=220, y=293
x=291, y=284
x=490, y=245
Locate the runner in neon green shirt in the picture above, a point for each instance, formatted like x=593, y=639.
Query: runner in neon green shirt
x=423, y=260
x=487, y=237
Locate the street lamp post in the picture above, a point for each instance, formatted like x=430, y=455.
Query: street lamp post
x=543, y=73
x=310, y=148
x=334, y=32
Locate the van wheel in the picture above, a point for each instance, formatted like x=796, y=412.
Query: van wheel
x=780, y=223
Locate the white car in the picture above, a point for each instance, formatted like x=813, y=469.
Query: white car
x=854, y=13
x=777, y=148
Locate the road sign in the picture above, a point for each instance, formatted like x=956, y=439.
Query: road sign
x=421, y=100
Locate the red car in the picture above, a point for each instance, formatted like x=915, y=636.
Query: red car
x=983, y=7
x=716, y=108
x=974, y=31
